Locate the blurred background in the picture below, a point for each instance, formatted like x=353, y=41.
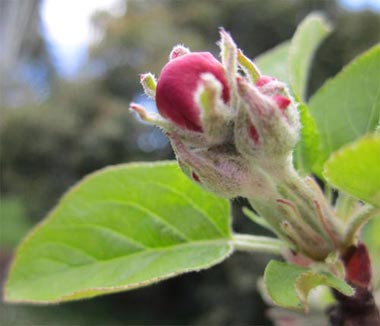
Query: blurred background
x=69, y=69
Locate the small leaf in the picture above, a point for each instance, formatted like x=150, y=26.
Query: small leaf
x=121, y=228
x=309, y=34
x=274, y=62
x=309, y=280
x=289, y=285
x=355, y=169
x=348, y=106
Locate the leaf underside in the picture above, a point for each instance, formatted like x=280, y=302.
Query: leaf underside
x=274, y=62
x=120, y=228
x=307, y=38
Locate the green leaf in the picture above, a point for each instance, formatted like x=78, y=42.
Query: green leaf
x=274, y=62
x=355, y=169
x=289, y=285
x=348, y=106
x=307, y=154
x=310, y=280
x=121, y=228
x=309, y=34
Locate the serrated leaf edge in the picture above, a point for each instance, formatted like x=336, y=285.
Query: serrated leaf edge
x=350, y=147
x=114, y=289
x=303, y=295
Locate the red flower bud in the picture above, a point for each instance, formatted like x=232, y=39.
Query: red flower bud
x=177, y=84
x=358, y=266
x=282, y=101
x=254, y=134
x=195, y=177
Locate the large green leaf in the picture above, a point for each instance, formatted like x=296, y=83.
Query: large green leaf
x=348, y=106
x=309, y=34
x=121, y=228
x=289, y=285
x=355, y=169
x=274, y=62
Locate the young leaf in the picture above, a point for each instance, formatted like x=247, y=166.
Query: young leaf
x=289, y=285
x=348, y=106
x=309, y=280
x=307, y=153
x=355, y=169
x=120, y=228
x=274, y=62
x=309, y=34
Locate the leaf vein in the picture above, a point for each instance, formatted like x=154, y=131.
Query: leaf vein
x=204, y=214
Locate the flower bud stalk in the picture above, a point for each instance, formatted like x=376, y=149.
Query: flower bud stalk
x=234, y=135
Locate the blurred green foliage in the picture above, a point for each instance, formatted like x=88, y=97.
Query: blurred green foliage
x=14, y=223
x=84, y=125
x=45, y=149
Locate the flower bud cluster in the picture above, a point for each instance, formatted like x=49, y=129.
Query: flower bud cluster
x=224, y=126
x=233, y=131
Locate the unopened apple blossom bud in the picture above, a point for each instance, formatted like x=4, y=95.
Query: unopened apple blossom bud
x=222, y=171
x=262, y=128
x=178, y=83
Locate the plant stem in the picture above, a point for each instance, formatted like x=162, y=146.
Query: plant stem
x=354, y=311
x=345, y=205
x=245, y=242
x=328, y=192
x=360, y=308
x=358, y=220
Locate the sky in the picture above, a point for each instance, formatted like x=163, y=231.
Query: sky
x=360, y=4
x=67, y=28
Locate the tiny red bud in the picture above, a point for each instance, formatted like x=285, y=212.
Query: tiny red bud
x=263, y=80
x=282, y=101
x=254, y=134
x=177, y=84
x=195, y=177
x=358, y=266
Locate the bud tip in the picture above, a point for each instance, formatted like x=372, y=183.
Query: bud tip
x=282, y=101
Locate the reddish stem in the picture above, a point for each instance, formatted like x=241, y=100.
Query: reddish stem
x=359, y=309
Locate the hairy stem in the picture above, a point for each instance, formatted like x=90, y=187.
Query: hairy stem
x=358, y=220
x=354, y=311
x=252, y=243
x=360, y=308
